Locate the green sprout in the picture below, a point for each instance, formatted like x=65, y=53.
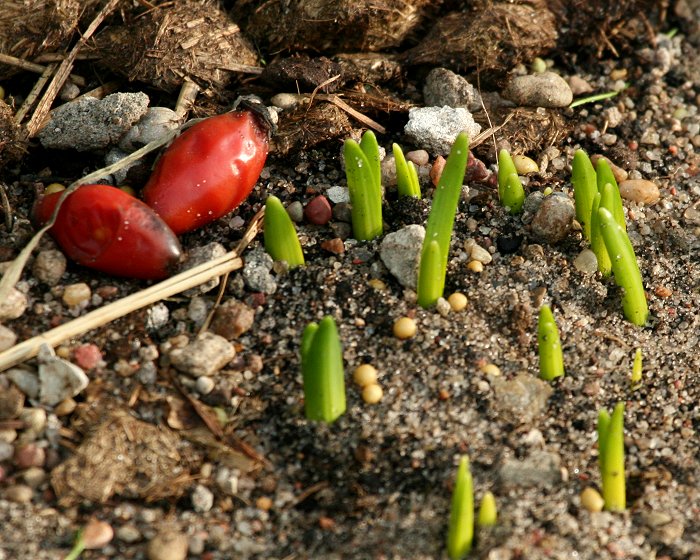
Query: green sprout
x=597, y=242
x=406, y=174
x=322, y=370
x=510, y=189
x=281, y=241
x=604, y=177
x=583, y=177
x=433, y=267
x=363, y=172
x=461, y=530
x=551, y=359
x=594, y=98
x=625, y=268
x=636, y=376
x=611, y=457
x=487, y=511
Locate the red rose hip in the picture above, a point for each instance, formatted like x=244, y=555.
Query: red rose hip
x=106, y=229
x=208, y=170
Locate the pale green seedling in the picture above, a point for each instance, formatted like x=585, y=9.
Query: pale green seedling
x=406, y=175
x=460, y=533
x=510, y=189
x=281, y=241
x=611, y=457
x=550, y=353
x=363, y=173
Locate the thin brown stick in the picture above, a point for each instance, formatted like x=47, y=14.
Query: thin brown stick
x=338, y=102
x=7, y=209
x=34, y=93
x=36, y=68
x=185, y=101
x=167, y=288
x=64, y=70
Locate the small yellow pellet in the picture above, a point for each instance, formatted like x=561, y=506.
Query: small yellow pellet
x=457, y=301
x=475, y=266
x=372, y=393
x=364, y=375
x=592, y=500
x=490, y=369
x=405, y=327
x=54, y=188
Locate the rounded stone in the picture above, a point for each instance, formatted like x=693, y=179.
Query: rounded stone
x=547, y=90
x=641, y=191
x=554, y=218
x=76, y=294
x=318, y=211
x=168, y=545
x=49, y=266
x=19, y=493
x=13, y=306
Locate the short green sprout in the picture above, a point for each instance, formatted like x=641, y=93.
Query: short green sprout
x=636, y=376
x=510, y=189
x=322, y=370
x=604, y=177
x=625, y=268
x=583, y=177
x=551, y=358
x=611, y=457
x=281, y=241
x=488, y=513
x=431, y=277
x=363, y=173
x=460, y=533
x=406, y=175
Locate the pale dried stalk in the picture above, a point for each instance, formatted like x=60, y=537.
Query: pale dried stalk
x=34, y=93
x=36, y=68
x=181, y=282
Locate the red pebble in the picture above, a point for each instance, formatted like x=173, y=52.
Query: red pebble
x=318, y=211
x=87, y=356
x=335, y=246
x=29, y=455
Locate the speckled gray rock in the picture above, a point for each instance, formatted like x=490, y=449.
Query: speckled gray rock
x=400, y=252
x=155, y=124
x=539, y=90
x=49, y=266
x=13, y=305
x=444, y=87
x=520, y=400
x=435, y=128
x=27, y=381
x=113, y=156
x=296, y=211
x=200, y=255
x=202, y=499
x=257, y=272
x=157, y=316
x=338, y=194
x=205, y=355
x=541, y=468
x=93, y=124
x=58, y=378
x=554, y=218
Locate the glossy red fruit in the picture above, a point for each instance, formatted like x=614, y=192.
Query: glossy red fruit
x=208, y=170
x=104, y=228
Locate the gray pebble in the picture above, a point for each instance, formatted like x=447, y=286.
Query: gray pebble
x=532, y=204
x=27, y=381
x=400, y=252
x=586, y=262
x=296, y=211
x=197, y=544
x=155, y=124
x=201, y=255
x=157, y=316
x=58, y=378
x=7, y=338
x=341, y=212
x=541, y=468
x=14, y=305
x=204, y=385
x=256, y=272
x=49, y=266
x=435, y=128
x=19, y=493
x=539, y=90
x=205, y=355
x=338, y=194
x=197, y=310
x=388, y=170
x=554, y=218
x=93, y=124
x=167, y=545
x=113, y=156
x=6, y=451
x=128, y=533
x=147, y=373
x=202, y=499
x=520, y=400
x=444, y=87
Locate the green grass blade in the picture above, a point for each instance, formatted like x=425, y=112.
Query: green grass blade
x=625, y=268
x=281, y=241
x=551, y=358
x=604, y=176
x=365, y=193
x=510, y=189
x=613, y=473
x=322, y=370
x=370, y=147
x=583, y=177
x=431, y=275
x=594, y=98
x=603, y=427
x=461, y=529
x=405, y=182
x=597, y=242
x=488, y=514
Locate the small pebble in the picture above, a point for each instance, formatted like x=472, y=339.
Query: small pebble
x=264, y=503
x=34, y=477
x=97, y=534
x=457, y=301
x=554, y=218
x=11, y=403
x=586, y=262
x=335, y=246
x=318, y=211
x=539, y=90
x=419, y=157
x=592, y=500
x=619, y=173
x=76, y=294
x=168, y=545
x=65, y=407
x=641, y=191
x=372, y=393
x=478, y=253
x=525, y=165
x=13, y=306
x=442, y=307
x=404, y=328
x=475, y=266
x=202, y=499
x=87, y=356
x=364, y=375
x=490, y=369
x=7, y=338
x=34, y=419
x=296, y=211
x=128, y=533
x=204, y=385
x=436, y=169
x=232, y=319
x=19, y=493
x=49, y=266
x=29, y=455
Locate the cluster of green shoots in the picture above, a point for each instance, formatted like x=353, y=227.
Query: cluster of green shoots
x=460, y=533
x=600, y=213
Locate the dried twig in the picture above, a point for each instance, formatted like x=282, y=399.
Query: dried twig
x=6, y=208
x=338, y=102
x=34, y=93
x=36, y=68
x=185, y=101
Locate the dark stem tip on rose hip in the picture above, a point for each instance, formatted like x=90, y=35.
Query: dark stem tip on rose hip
x=266, y=115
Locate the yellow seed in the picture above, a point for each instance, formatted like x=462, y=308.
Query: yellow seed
x=54, y=187
x=2, y=92
x=364, y=375
x=547, y=191
x=475, y=266
x=592, y=500
x=490, y=369
x=405, y=327
x=372, y=393
x=128, y=190
x=457, y=301
x=525, y=165
x=264, y=503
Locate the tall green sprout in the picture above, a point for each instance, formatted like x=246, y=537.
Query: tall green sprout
x=460, y=533
x=583, y=177
x=551, y=358
x=433, y=267
x=406, y=175
x=604, y=177
x=611, y=457
x=510, y=189
x=363, y=173
x=281, y=241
